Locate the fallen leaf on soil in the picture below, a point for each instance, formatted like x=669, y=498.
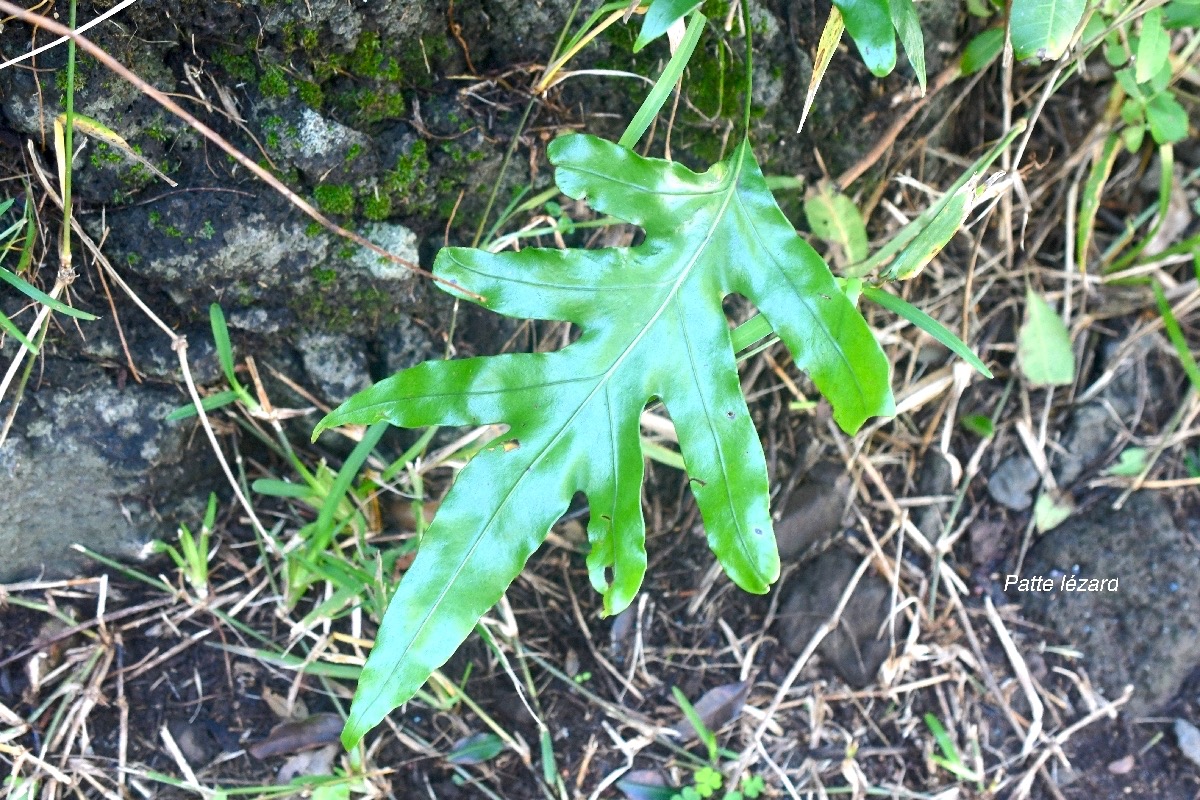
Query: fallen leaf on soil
x=310, y=763
x=475, y=749
x=197, y=740
x=620, y=636
x=279, y=705
x=1188, y=736
x=1051, y=510
x=716, y=708
x=645, y=784
x=293, y=737
x=987, y=539
x=814, y=510
x=1044, y=345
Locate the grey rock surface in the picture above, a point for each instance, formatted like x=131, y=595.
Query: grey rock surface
x=935, y=480
x=336, y=365
x=1012, y=483
x=1096, y=425
x=860, y=644
x=94, y=464
x=1147, y=631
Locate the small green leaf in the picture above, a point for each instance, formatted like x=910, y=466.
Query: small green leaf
x=708, y=780
x=1051, y=510
x=1153, y=46
x=1044, y=345
x=981, y=51
x=1167, y=119
x=1181, y=14
x=979, y=424
x=753, y=786
x=834, y=218
x=661, y=15
x=869, y=23
x=1042, y=29
x=276, y=488
x=475, y=749
x=1132, y=138
x=221, y=339
x=908, y=28
x=1125, y=77
x=1130, y=463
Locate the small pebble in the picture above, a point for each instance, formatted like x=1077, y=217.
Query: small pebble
x=1188, y=736
x=1122, y=766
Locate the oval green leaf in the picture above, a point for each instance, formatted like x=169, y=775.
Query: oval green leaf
x=661, y=15
x=1042, y=29
x=834, y=218
x=981, y=51
x=869, y=23
x=1044, y=345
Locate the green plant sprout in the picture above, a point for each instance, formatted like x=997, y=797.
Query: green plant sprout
x=20, y=237
x=191, y=557
x=949, y=759
x=236, y=393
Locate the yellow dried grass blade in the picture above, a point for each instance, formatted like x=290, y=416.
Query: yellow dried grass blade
x=830, y=36
x=90, y=127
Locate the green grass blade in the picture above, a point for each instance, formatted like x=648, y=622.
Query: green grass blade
x=15, y=332
x=665, y=83
x=29, y=290
x=324, y=532
x=1093, y=191
x=276, y=488
x=221, y=339
x=1175, y=334
x=928, y=324
x=908, y=28
x=209, y=403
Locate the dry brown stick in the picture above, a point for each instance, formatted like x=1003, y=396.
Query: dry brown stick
x=266, y=177
x=112, y=306
x=82, y=627
x=943, y=79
